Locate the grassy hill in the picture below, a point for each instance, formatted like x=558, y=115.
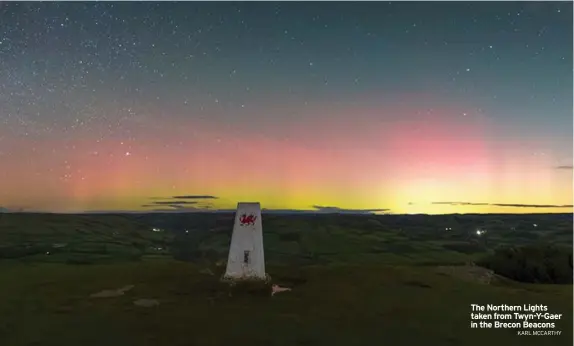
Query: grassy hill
x=293, y=239
x=357, y=280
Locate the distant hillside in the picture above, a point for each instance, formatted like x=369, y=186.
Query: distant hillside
x=288, y=239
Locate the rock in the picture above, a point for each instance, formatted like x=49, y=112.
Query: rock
x=206, y=271
x=278, y=289
x=112, y=293
x=126, y=288
x=146, y=303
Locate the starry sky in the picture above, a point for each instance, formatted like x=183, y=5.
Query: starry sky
x=399, y=107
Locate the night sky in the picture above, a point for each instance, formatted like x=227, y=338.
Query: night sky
x=454, y=107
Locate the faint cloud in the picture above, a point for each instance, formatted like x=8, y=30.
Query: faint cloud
x=195, y=197
x=535, y=205
x=512, y=205
x=172, y=202
x=180, y=203
x=15, y=209
x=565, y=167
x=173, y=205
x=330, y=209
x=179, y=206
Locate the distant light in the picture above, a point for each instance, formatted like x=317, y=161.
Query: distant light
x=478, y=232
x=48, y=252
x=186, y=231
x=535, y=225
x=156, y=230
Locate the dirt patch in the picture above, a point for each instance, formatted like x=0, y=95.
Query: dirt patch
x=468, y=273
x=112, y=293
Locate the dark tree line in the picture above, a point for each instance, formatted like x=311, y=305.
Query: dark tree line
x=533, y=263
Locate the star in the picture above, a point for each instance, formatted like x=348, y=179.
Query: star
x=92, y=85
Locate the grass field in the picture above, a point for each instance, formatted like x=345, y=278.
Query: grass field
x=356, y=281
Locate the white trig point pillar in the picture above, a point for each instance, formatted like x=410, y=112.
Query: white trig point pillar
x=246, y=259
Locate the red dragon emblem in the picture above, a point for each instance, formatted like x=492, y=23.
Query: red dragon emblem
x=246, y=220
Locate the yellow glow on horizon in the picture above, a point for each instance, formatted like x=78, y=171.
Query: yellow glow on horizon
x=405, y=165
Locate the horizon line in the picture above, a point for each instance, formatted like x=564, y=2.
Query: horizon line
x=265, y=211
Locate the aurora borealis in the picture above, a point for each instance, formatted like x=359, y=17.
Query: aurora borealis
x=454, y=107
